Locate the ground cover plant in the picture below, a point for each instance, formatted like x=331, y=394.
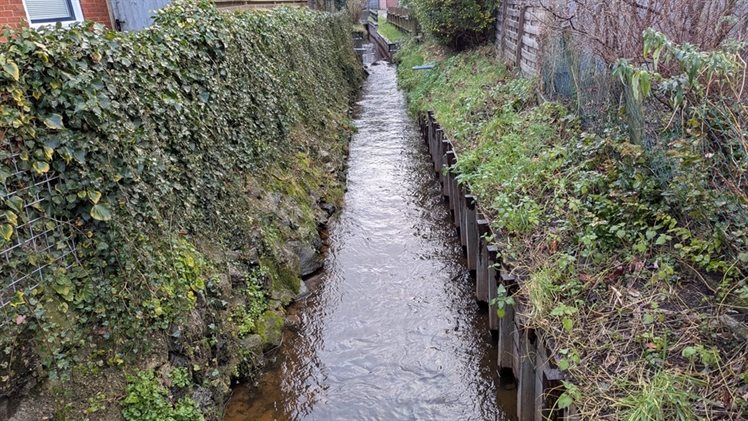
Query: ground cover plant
x=388, y=30
x=187, y=163
x=456, y=23
x=631, y=249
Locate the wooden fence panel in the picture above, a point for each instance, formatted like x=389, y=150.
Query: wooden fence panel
x=518, y=31
x=403, y=19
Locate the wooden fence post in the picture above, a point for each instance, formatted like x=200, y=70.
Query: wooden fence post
x=449, y=181
x=520, y=36
x=443, y=172
x=481, y=271
x=462, y=223
x=507, y=327
x=457, y=196
x=436, y=153
x=493, y=272
x=526, y=368
x=471, y=233
x=548, y=386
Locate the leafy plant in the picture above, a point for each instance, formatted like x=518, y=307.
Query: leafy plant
x=139, y=149
x=388, y=30
x=502, y=300
x=707, y=357
x=180, y=377
x=618, y=236
x=570, y=395
x=565, y=312
x=147, y=400
x=457, y=24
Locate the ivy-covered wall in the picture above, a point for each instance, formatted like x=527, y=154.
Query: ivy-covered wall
x=189, y=164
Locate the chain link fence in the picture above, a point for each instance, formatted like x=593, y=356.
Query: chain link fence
x=39, y=245
x=577, y=77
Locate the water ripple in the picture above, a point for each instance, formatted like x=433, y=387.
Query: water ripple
x=393, y=333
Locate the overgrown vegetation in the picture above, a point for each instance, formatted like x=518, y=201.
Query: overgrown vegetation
x=147, y=400
x=457, y=24
x=388, y=30
x=187, y=162
x=631, y=251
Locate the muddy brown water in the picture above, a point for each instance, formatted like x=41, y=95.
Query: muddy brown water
x=392, y=331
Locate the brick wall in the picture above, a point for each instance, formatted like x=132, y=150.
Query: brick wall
x=13, y=13
x=96, y=10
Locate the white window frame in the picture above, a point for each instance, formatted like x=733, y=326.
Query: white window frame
x=77, y=15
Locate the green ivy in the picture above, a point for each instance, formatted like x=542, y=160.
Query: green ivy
x=149, y=139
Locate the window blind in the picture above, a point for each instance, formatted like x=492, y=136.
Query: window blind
x=49, y=10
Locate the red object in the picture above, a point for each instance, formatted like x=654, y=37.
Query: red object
x=97, y=11
x=386, y=4
x=13, y=12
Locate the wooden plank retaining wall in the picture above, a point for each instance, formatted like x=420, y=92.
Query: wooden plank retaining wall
x=525, y=352
x=386, y=49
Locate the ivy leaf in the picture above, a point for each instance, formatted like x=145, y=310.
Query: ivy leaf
x=3, y=175
x=15, y=203
x=40, y=167
x=563, y=364
x=94, y=196
x=80, y=156
x=64, y=287
x=11, y=69
x=54, y=122
x=101, y=213
x=48, y=153
x=11, y=217
x=6, y=231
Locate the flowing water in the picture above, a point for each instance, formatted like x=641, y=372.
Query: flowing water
x=392, y=332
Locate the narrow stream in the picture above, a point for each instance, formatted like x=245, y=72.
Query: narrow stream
x=393, y=331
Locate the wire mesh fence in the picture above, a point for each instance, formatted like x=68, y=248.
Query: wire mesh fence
x=40, y=245
x=576, y=76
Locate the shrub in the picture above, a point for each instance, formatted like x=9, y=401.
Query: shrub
x=456, y=23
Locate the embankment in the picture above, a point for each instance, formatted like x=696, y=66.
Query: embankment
x=161, y=195
x=617, y=267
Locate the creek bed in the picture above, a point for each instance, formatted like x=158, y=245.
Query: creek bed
x=392, y=330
